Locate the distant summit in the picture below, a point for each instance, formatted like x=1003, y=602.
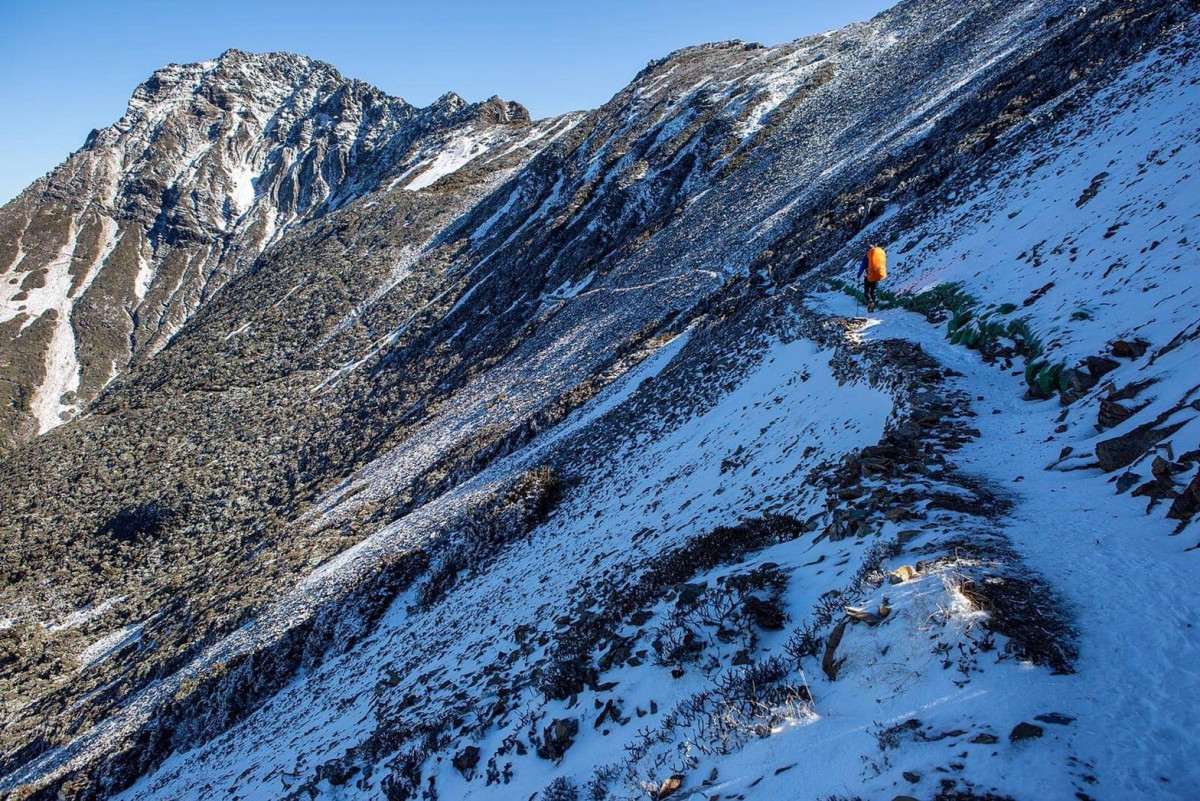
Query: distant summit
x=113, y=252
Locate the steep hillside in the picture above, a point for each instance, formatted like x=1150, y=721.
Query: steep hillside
x=105, y=258
x=553, y=459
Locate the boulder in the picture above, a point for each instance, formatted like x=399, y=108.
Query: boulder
x=902, y=574
x=1124, y=450
x=465, y=761
x=1187, y=503
x=1126, y=349
x=1100, y=366
x=1025, y=731
x=557, y=738
x=670, y=786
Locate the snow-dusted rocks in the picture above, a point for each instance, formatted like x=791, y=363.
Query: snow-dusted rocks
x=107, y=257
x=547, y=460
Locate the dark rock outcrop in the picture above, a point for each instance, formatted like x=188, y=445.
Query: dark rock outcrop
x=1187, y=504
x=1117, y=452
x=557, y=738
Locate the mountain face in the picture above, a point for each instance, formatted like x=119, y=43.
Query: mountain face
x=108, y=256
x=464, y=455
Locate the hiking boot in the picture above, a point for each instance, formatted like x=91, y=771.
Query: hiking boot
x=870, y=307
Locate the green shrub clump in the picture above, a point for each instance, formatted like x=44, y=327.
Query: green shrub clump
x=989, y=331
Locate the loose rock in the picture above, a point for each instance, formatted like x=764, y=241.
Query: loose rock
x=1134, y=349
x=465, y=761
x=1100, y=366
x=1124, y=450
x=669, y=786
x=1025, y=731
x=1188, y=502
x=557, y=738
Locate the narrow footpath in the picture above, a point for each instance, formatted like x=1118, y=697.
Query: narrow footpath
x=1130, y=584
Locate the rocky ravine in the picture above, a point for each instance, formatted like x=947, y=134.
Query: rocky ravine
x=566, y=472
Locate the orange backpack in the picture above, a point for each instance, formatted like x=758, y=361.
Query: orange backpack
x=876, y=264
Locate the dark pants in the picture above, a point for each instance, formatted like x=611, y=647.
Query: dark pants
x=869, y=291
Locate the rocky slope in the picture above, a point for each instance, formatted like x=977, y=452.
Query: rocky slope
x=109, y=255
x=569, y=472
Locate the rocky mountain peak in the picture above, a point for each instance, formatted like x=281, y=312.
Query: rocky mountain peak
x=235, y=81
x=450, y=101
x=503, y=112
x=493, y=111
x=211, y=163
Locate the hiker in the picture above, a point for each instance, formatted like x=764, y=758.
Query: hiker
x=874, y=267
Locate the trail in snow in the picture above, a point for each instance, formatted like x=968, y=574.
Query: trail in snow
x=1131, y=585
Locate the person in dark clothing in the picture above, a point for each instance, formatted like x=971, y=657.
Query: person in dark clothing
x=872, y=269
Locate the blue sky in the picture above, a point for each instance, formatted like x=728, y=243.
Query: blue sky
x=67, y=66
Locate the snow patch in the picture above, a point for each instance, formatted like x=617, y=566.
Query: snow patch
x=109, y=644
x=84, y=614
x=242, y=192
x=452, y=157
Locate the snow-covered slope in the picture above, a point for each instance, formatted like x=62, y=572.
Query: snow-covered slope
x=573, y=472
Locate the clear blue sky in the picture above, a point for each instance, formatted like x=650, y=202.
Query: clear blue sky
x=67, y=66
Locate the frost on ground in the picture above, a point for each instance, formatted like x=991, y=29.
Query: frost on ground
x=639, y=505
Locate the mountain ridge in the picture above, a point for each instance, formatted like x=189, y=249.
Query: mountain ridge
x=209, y=165
x=446, y=489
